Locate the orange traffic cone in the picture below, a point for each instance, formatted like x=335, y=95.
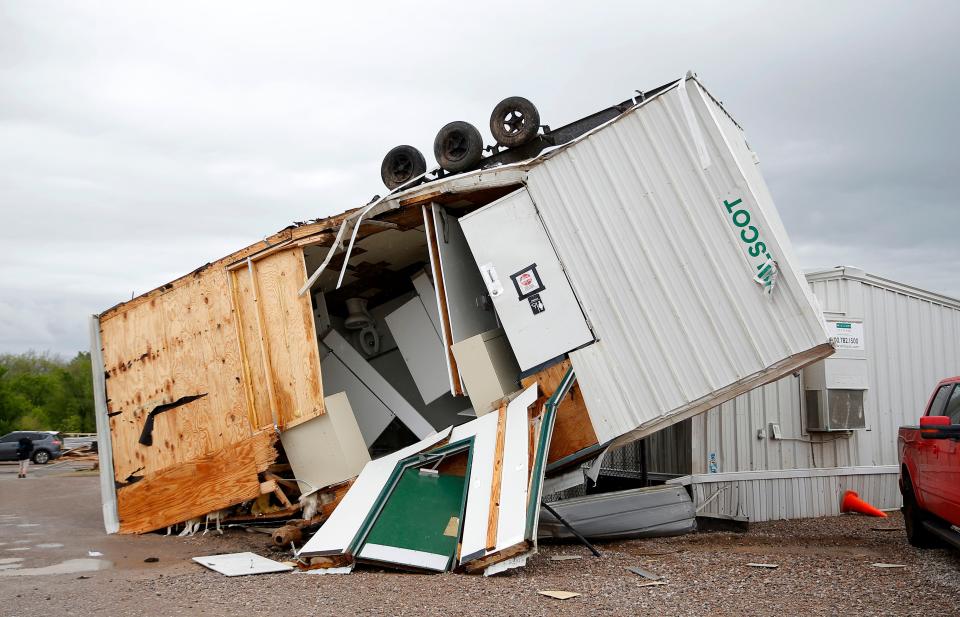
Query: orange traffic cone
x=851, y=502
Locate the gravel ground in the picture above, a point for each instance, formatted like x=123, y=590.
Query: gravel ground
x=53, y=520
x=824, y=569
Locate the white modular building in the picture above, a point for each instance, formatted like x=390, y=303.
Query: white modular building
x=791, y=448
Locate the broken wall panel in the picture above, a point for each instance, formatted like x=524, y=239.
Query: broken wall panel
x=287, y=334
x=208, y=483
x=573, y=431
x=199, y=366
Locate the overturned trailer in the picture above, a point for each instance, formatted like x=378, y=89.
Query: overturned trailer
x=646, y=256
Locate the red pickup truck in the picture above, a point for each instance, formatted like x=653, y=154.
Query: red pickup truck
x=930, y=469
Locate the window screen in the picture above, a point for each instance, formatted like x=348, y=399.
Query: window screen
x=940, y=400
x=953, y=406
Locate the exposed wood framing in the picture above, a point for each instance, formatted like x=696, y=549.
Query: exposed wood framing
x=434, y=249
x=478, y=565
x=210, y=482
x=493, y=516
x=573, y=430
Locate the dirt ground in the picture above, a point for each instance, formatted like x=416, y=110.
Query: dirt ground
x=50, y=523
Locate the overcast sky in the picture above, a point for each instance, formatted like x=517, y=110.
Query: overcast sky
x=140, y=140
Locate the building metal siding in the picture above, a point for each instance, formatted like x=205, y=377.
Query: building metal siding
x=790, y=498
x=912, y=341
x=661, y=274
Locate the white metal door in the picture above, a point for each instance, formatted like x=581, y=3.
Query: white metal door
x=526, y=282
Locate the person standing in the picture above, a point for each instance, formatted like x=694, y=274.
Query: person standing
x=24, y=452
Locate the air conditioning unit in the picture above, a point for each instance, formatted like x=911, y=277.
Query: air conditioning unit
x=834, y=410
x=834, y=388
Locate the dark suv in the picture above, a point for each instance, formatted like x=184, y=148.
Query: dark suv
x=46, y=446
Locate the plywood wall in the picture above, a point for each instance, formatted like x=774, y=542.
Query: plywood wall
x=178, y=344
x=245, y=345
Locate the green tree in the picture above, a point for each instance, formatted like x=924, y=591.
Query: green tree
x=46, y=392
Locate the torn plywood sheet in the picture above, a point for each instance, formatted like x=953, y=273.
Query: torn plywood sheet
x=213, y=482
x=241, y=564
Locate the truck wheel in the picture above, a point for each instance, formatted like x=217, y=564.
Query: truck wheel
x=401, y=165
x=913, y=518
x=514, y=121
x=458, y=146
x=41, y=457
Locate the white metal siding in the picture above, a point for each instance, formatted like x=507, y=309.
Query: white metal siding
x=790, y=498
x=911, y=343
x=659, y=269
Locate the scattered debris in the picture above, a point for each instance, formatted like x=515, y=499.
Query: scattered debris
x=645, y=573
x=647, y=512
x=651, y=583
x=94, y=554
x=888, y=565
x=565, y=557
x=340, y=570
x=241, y=564
x=420, y=301
x=770, y=566
x=558, y=594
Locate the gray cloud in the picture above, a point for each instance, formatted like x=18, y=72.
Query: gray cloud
x=138, y=141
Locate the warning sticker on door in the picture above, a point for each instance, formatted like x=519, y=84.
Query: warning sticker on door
x=527, y=282
x=536, y=304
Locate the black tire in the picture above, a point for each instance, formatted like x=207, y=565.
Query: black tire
x=514, y=121
x=401, y=165
x=458, y=147
x=913, y=518
x=41, y=457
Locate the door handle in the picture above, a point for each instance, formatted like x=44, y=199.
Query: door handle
x=492, y=281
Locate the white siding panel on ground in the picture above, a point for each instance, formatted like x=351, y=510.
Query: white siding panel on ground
x=660, y=270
